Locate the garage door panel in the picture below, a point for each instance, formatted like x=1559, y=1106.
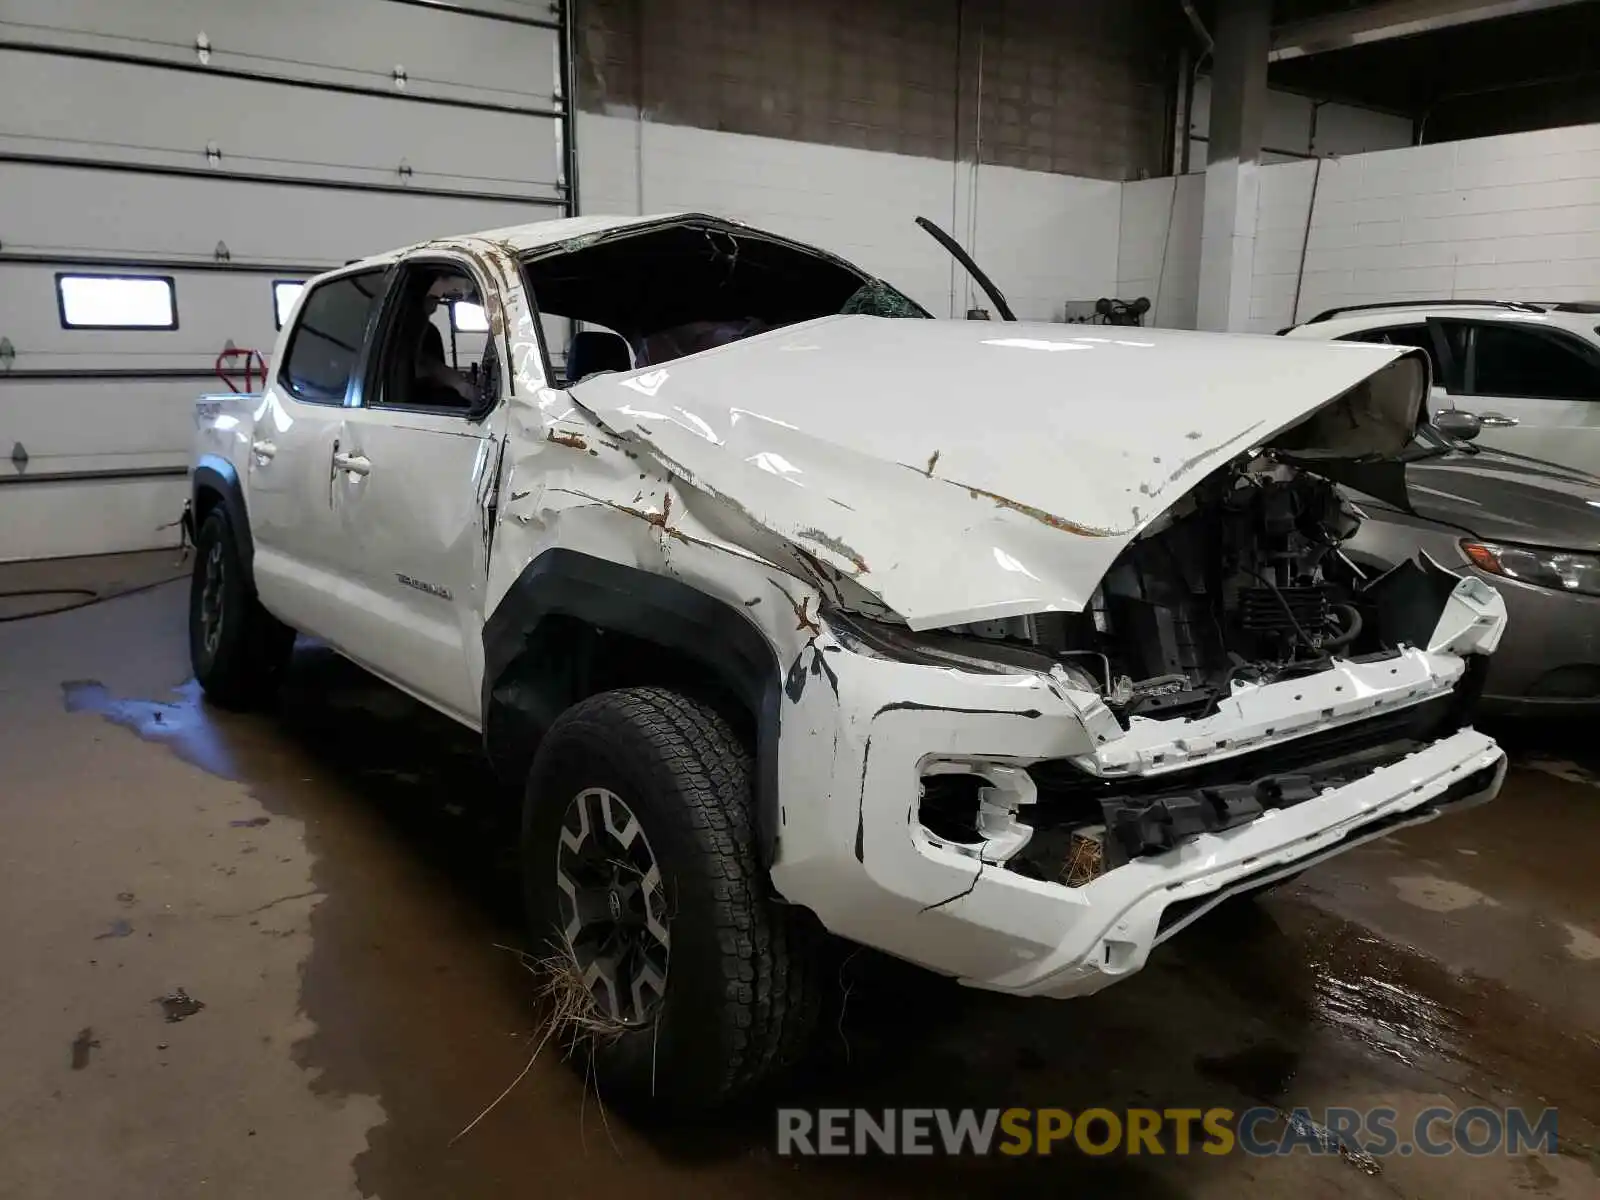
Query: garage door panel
x=354, y=42
x=73, y=210
x=213, y=309
x=85, y=424
x=168, y=118
x=321, y=156
x=61, y=520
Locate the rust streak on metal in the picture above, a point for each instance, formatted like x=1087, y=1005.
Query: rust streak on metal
x=1044, y=518
x=575, y=441
x=829, y=542
x=803, y=615
x=659, y=520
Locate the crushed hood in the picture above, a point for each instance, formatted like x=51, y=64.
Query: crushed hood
x=964, y=471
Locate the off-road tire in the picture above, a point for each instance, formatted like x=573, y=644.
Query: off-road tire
x=240, y=662
x=741, y=996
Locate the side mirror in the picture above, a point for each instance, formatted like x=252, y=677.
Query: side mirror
x=1463, y=426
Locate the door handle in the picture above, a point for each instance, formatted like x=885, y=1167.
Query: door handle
x=356, y=464
x=263, y=448
x=1493, y=420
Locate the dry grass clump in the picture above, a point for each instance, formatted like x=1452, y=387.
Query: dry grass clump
x=567, y=1012
x=1086, y=860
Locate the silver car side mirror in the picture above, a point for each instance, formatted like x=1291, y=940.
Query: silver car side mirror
x=1463, y=426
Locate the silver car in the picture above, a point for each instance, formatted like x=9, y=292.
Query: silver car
x=1527, y=371
x=1529, y=528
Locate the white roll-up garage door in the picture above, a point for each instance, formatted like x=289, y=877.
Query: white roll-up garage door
x=213, y=150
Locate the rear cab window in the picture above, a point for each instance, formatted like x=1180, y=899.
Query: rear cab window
x=324, y=347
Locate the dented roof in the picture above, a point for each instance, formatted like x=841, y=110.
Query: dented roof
x=541, y=235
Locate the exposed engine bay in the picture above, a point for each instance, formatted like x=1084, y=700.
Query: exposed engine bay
x=1241, y=580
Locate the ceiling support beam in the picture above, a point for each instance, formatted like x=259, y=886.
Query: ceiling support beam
x=1393, y=19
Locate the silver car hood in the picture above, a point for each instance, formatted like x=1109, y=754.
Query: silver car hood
x=963, y=471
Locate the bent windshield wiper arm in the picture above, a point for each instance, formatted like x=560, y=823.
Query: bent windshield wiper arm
x=965, y=259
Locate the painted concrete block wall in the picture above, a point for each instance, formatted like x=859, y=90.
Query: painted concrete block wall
x=1158, y=250
x=857, y=203
x=1281, y=237
x=1511, y=217
x=1299, y=125
x=1044, y=238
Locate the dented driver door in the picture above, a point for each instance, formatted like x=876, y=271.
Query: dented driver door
x=414, y=487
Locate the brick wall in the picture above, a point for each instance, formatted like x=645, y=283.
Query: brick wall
x=839, y=121
x=1078, y=88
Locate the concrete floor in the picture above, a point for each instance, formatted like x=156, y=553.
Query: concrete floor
x=326, y=883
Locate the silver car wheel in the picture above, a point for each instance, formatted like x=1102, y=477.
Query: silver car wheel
x=612, y=906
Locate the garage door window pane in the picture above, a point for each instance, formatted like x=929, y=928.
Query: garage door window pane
x=327, y=339
x=284, y=293
x=468, y=317
x=116, y=302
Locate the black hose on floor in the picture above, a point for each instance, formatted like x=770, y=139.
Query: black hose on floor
x=94, y=597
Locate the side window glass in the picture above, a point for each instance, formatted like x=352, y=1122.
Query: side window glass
x=326, y=343
x=1508, y=361
x=438, y=352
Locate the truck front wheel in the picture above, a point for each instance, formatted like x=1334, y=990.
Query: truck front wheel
x=673, y=975
x=238, y=650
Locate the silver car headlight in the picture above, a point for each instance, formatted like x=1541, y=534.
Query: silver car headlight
x=1562, y=570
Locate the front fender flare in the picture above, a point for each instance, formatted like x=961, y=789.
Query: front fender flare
x=652, y=608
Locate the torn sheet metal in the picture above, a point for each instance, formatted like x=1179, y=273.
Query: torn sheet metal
x=963, y=473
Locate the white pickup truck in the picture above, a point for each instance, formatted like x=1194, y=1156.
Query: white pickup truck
x=1005, y=648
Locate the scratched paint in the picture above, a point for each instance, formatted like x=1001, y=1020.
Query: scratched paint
x=1021, y=511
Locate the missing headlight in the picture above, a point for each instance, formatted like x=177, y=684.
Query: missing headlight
x=972, y=807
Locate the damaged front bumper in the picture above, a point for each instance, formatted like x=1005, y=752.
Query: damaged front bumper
x=1284, y=775
x=1128, y=911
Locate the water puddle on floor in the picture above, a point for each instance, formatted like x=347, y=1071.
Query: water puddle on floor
x=182, y=723
x=1453, y=1027
x=412, y=1002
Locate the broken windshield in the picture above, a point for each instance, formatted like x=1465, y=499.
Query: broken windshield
x=677, y=287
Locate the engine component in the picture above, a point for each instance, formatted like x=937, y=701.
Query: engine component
x=1241, y=580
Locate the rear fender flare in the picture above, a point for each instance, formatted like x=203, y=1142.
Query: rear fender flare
x=213, y=473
